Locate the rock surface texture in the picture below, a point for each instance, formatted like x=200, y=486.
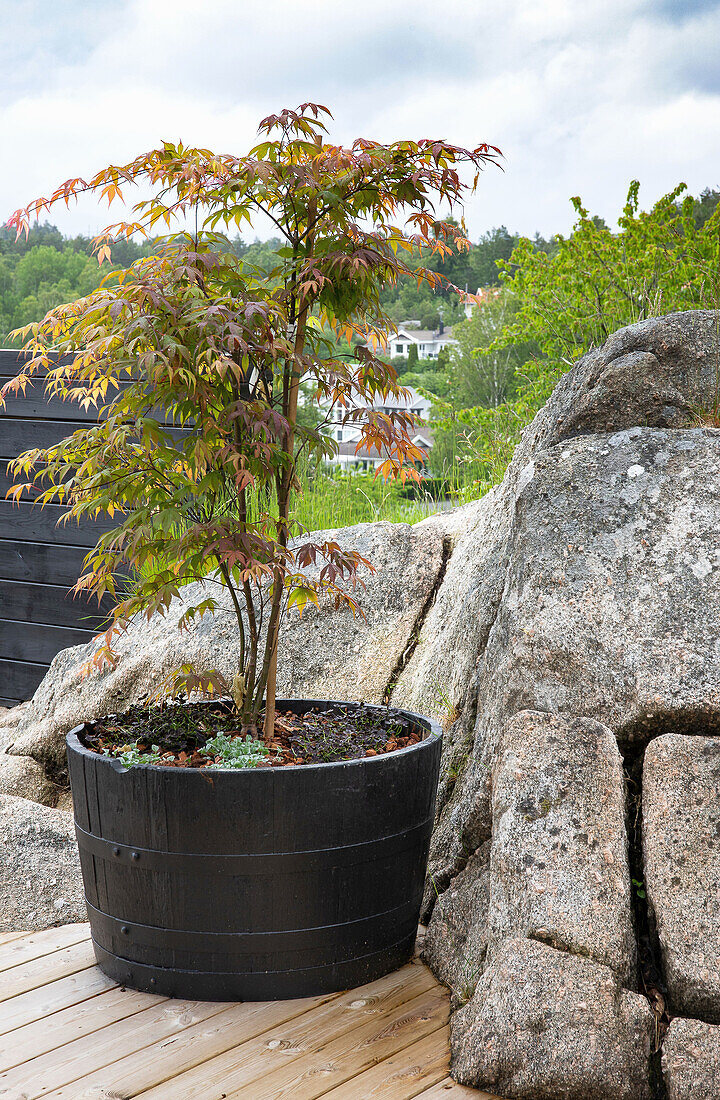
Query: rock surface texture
x=691, y=1060
x=456, y=941
x=558, y=865
x=549, y=1025
x=559, y=626
x=40, y=881
x=681, y=838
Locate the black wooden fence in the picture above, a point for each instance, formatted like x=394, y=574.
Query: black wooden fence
x=40, y=559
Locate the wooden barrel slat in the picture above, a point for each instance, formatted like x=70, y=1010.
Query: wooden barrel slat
x=236, y=873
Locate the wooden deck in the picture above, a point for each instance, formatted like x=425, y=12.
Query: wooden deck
x=69, y=1033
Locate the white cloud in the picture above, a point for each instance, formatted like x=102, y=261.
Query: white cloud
x=580, y=97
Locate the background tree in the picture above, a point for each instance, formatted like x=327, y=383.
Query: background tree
x=570, y=298
x=596, y=281
x=482, y=370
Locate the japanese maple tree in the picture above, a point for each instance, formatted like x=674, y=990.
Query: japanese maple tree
x=194, y=363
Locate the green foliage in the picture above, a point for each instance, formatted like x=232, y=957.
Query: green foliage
x=483, y=369
x=570, y=298
x=598, y=281
x=476, y=266
x=559, y=297
x=334, y=499
x=482, y=376
x=130, y=755
x=412, y=358
x=229, y=753
x=46, y=269
x=429, y=379
x=235, y=752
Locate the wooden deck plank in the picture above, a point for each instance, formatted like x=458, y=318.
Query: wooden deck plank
x=7, y=937
x=244, y=1067
x=39, y=972
x=39, y=1004
x=164, y=1020
x=64, y=1027
x=314, y=1073
x=404, y=1075
x=66, y=1030
x=38, y=944
x=145, y=1068
x=448, y=1089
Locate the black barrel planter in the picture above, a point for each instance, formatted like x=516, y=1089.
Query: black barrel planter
x=258, y=884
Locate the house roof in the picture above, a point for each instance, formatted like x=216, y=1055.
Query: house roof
x=421, y=335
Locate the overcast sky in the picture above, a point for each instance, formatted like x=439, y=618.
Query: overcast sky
x=581, y=95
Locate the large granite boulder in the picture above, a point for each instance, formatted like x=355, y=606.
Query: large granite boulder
x=681, y=839
x=608, y=608
x=657, y=373
x=40, y=880
x=546, y=1025
x=592, y=594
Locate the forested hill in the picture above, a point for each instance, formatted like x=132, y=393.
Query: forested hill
x=48, y=269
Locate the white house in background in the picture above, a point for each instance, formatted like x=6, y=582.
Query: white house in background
x=347, y=436
x=485, y=293
x=429, y=342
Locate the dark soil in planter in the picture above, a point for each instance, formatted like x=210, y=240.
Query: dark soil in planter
x=181, y=730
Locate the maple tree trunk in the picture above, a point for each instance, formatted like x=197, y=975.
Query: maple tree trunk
x=284, y=496
x=283, y=514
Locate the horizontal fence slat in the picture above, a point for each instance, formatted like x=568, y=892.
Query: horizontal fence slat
x=28, y=561
x=7, y=481
x=36, y=406
x=17, y=435
x=50, y=604
x=38, y=643
x=34, y=523
x=12, y=360
x=40, y=558
x=18, y=679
